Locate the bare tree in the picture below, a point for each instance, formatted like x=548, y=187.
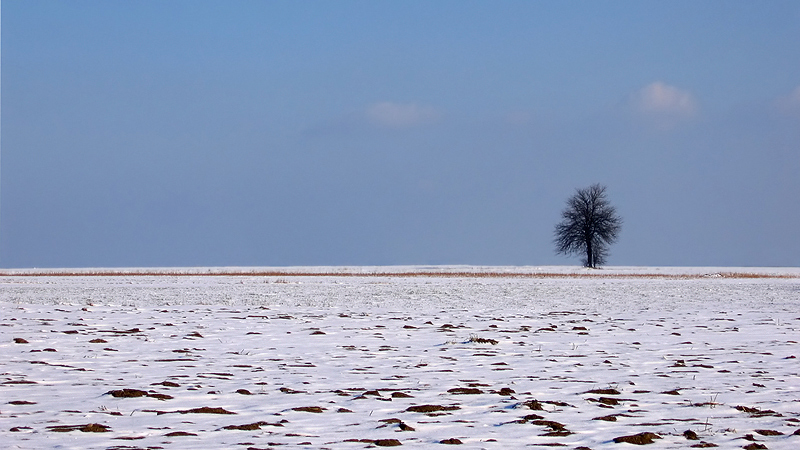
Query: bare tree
x=589, y=225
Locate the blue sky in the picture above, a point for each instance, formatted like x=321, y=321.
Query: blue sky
x=200, y=133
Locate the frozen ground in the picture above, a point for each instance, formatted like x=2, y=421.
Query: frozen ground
x=253, y=362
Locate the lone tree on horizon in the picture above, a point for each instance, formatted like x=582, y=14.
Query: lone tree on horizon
x=589, y=225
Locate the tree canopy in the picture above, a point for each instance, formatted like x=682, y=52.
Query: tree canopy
x=589, y=225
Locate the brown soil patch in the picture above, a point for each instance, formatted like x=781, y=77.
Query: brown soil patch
x=311, y=409
x=405, y=427
x=556, y=433
x=529, y=417
x=401, y=395
x=89, y=428
x=160, y=396
x=131, y=331
x=534, y=405
x=451, y=441
x=605, y=401
x=95, y=428
x=769, y=432
x=638, y=439
x=428, y=409
x=555, y=426
x=402, y=425
x=391, y=420
x=127, y=393
x=480, y=340
x=754, y=446
x=611, y=418
x=465, y=391
x=286, y=390
x=180, y=433
x=206, y=410
x=755, y=412
x=603, y=392
x=246, y=427
x=134, y=393
x=690, y=435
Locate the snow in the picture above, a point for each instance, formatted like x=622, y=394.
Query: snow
x=686, y=349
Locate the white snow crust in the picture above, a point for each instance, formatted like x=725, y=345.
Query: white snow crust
x=325, y=361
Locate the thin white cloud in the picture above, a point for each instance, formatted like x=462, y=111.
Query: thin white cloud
x=661, y=98
x=790, y=103
x=793, y=98
x=664, y=106
x=401, y=115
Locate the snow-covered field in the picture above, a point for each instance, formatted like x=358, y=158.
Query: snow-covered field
x=182, y=360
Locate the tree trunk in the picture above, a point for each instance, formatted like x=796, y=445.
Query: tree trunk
x=589, y=254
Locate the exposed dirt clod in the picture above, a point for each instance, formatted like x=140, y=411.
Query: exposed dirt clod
x=480, y=340
x=427, y=409
x=555, y=426
x=465, y=391
x=311, y=409
x=405, y=427
x=206, y=410
x=534, y=405
x=387, y=442
x=603, y=392
x=755, y=446
x=401, y=395
x=246, y=427
x=755, y=412
x=638, y=439
x=769, y=432
x=179, y=433
x=127, y=393
x=89, y=428
x=611, y=418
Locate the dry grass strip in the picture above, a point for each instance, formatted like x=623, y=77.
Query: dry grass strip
x=419, y=274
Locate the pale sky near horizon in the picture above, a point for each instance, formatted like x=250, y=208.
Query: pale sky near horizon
x=274, y=133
